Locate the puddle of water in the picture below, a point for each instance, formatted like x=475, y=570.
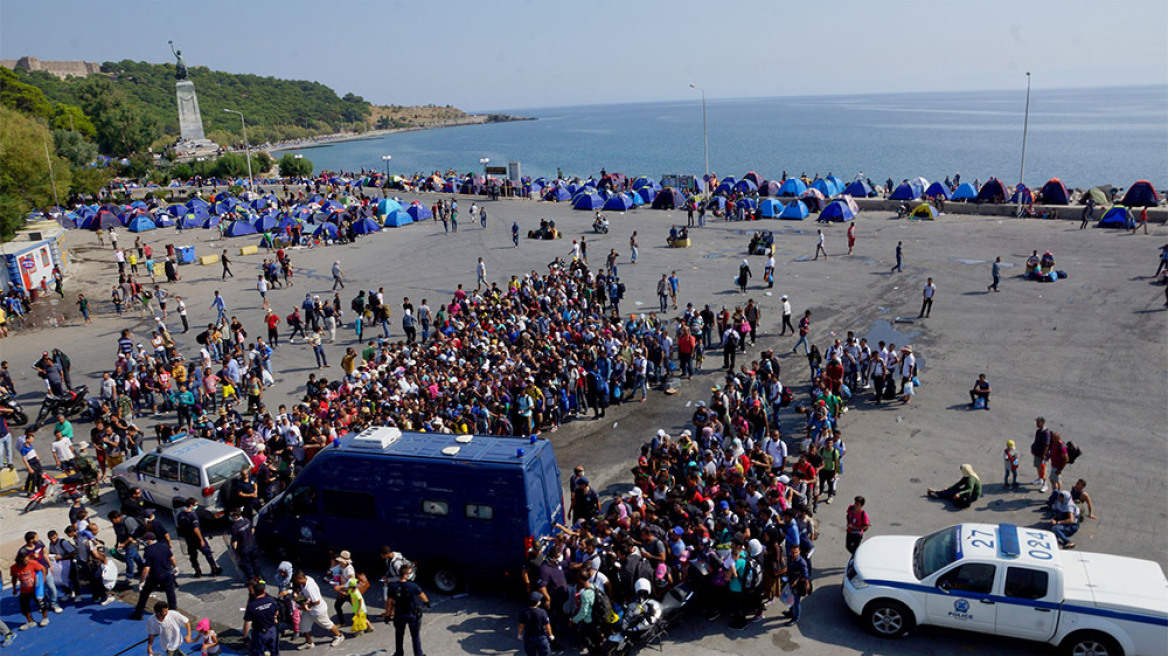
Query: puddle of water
x=803, y=258
x=968, y=262
x=883, y=310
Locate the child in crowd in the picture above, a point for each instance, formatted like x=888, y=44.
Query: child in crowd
x=1010, y=462
x=208, y=639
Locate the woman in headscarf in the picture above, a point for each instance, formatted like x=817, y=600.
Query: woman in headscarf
x=744, y=275
x=962, y=493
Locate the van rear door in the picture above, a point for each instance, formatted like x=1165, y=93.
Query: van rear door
x=545, y=502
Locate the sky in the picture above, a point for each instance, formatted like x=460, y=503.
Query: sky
x=514, y=54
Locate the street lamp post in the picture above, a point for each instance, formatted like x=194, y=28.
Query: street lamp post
x=246, y=145
x=386, y=158
x=1025, y=127
x=705, y=132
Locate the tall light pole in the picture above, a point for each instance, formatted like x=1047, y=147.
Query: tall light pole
x=705, y=133
x=1025, y=127
x=246, y=145
x=386, y=158
x=483, y=161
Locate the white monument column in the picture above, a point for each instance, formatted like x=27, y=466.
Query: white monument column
x=190, y=121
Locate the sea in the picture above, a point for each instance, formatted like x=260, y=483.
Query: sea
x=1085, y=137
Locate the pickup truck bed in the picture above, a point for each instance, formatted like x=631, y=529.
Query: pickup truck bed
x=1131, y=585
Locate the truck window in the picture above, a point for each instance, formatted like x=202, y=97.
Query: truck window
x=1025, y=583
x=301, y=501
x=148, y=465
x=191, y=475
x=349, y=505
x=225, y=469
x=479, y=511
x=935, y=552
x=435, y=508
x=971, y=577
x=168, y=471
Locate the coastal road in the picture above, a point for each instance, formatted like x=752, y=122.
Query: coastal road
x=1089, y=353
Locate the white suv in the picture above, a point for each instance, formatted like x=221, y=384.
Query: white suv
x=184, y=468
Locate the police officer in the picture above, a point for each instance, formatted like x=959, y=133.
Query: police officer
x=405, y=609
x=187, y=522
x=243, y=542
x=535, y=629
x=157, y=574
x=259, y=623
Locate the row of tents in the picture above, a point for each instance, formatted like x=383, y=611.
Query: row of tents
x=1141, y=194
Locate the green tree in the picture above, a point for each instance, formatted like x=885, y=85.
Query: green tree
x=230, y=165
x=262, y=161
x=25, y=182
x=89, y=180
x=291, y=166
x=24, y=98
x=121, y=130
x=71, y=117
x=77, y=149
x=181, y=171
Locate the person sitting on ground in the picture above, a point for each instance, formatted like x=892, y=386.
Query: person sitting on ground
x=981, y=390
x=1066, y=519
x=1032, y=262
x=1078, y=495
x=962, y=493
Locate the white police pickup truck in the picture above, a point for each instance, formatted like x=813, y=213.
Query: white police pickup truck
x=1010, y=581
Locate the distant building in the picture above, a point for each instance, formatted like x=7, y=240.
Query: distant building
x=61, y=69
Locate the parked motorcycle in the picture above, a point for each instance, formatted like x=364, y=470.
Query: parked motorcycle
x=645, y=621
x=18, y=416
x=68, y=404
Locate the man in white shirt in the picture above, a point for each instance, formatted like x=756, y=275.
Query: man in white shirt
x=62, y=452
x=316, y=611
x=166, y=625
x=776, y=448
x=927, y=302
x=769, y=272
x=787, y=316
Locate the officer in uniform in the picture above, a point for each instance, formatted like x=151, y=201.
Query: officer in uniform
x=157, y=574
x=244, y=544
x=188, y=527
x=259, y=623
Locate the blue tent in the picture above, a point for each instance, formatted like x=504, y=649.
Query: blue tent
x=937, y=190
x=190, y=221
x=796, y=211
x=724, y=188
x=69, y=220
x=837, y=211
x=266, y=222
x=770, y=208
x=365, y=226
x=1116, y=217
x=859, y=189
x=141, y=223
x=992, y=192
x=138, y=205
x=1054, y=192
x=753, y=177
x=643, y=182
x=210, y=221
x=635, y=197
x=745, y=186
x=586, y=200
x=717, y=204
x=835, y=180
x=792, y=187
x=669, y=199
x=177, y=210
x=825, y=187
x=647, y=194
x=419, y=212
x=619, y=203
x=106, y=219
x=199, y=203
x=164, y=220
x=557, y=194
x=326, y=231
x=397, y=219
x=746, y=203
x=287, y=221
x=1141, y=194
x=239, y=229
x=905, y=192
x=387, y=205
x=964, y=191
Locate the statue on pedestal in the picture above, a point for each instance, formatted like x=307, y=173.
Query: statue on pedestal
x=180, y=67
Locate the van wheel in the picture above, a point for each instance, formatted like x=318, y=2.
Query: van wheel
x=889, y=619
x=446, y=579
x=1091, y=643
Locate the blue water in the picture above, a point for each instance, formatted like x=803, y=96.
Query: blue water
x=1085, y=137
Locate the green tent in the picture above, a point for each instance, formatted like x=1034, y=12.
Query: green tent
x=1102, y=198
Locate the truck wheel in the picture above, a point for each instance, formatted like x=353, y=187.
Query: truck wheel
x=446, y=579
x=123, y=491
x=1091, y=643
x=889, y=619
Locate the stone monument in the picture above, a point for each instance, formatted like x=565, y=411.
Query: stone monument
x=192, y=141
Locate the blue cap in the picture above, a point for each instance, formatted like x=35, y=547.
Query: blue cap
x=724, y=505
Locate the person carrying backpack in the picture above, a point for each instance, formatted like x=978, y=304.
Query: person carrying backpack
x=404, y=606
x=589, y=614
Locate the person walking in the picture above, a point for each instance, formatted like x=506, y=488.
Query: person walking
x=858, y=524
x=220, y=307
x=315, y=611
x=338, y=275
x=804, y=330
x=1040, y=449
x=157, y=573
x=674, y=288
x=515, y=234
x=181, y=307
x=1141, y=222
x=1088, y=212
x=481, y=275
x=535, y=628
x=663, y=293
x=404, y=606
x=799, y=578
x=315, y=340
x=927, y=299
x=899, y=257
x=167, y=625
x=851, y=237
x=633, y=247
x=226, y=262
x=819, y=245
x=786, y=315
x=243, y=543
x=187, y=524
x=259, y=622
x=744, y=275
x=996, y=272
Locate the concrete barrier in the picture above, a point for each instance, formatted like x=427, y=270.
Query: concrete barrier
x=208, y=259
x=1065, y=212
x=249, y=250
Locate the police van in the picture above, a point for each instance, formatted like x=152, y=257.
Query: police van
x=1010, y=581
x=458, y=505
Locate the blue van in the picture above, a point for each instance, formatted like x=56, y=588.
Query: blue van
x=458, y=505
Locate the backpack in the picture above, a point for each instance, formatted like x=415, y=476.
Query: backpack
x=405, y=602
x=786, y=396
x=1073, y=453
x=602, y=612
x=751, y=575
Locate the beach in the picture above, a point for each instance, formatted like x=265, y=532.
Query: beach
x=1089, y=353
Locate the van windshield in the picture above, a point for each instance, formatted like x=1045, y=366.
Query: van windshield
x=932, y=552
x=225, y=469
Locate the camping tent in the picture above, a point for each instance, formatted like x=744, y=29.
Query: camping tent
x=419, y=212
x=557, y=194
x=924, y=211
x=937, y=190
x=266, y=222
x=964, y=192
x=106, y=219
x=1141, y=194
x=992, y=192
x=239, y=229
x=1022, y=195
x=1101, y=197
x=647, y=194
x=141, y=223
x=859, y=189
x=745, y=186
x=770, y=208
x=792, y=187
x=397, y=219
x=837, y=211
x=387, y=205
x=669, y=199
x=753, y=177
x=326, y=231
x=769, y=188
x=1116, y=217
x=905, y=192
x=619, y=203
x=587, y=200
x=365, y=226
x=1054, y=193
x=826, y=187
x=796, y=210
